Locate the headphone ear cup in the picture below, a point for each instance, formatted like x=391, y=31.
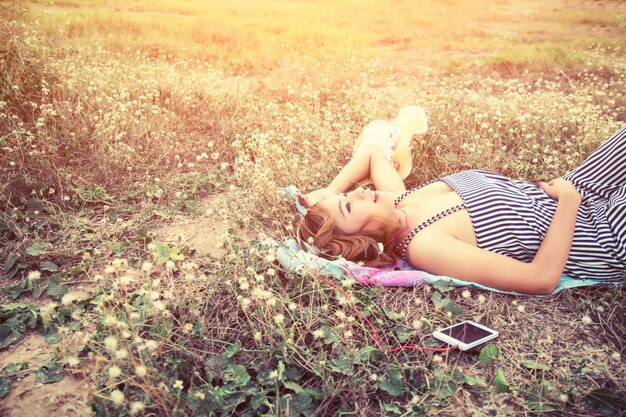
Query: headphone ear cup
x=370, y=253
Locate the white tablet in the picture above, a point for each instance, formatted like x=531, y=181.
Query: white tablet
x=466, y=335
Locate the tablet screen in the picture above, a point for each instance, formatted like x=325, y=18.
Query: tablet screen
x=466, y=332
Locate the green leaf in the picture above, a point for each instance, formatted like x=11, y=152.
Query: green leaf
x=500, y=382
x=292, y=373
x=175, y=254
x=474, y=380
x=298, y=404
x=7, y=310
x=13, y=271
x=17, y=289
x=404, y=335
x=363, y=354
x=55, y=288
x=489, y=353
x=443, y=385
x=10, y=260
x=37, y=248
x=531, y=364
x=439, y=302
x=332, y=335
x=212, y=401
x=340, y=365
x=259, y=399
x=53, y=335
x=8, y=335
x=38, y=288
x=118, y=247
x=392, y=315
x=453, y=308
x=232, y=349
x=16, y=367
x=392, y=408
x=443, y=285
x=392, y=383
x=446, y=389
x=293, y=386
x=5, y=386
x=605, y=400
x=50, y=371
x=236, y=374
x=48, y=266
x=161, y=252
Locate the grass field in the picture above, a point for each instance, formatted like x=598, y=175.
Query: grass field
x=144, y=143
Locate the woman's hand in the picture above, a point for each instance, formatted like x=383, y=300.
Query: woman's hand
x=310, y=199
x=559, y=189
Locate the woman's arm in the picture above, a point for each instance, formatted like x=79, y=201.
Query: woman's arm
x=446, y=255
x=368, y=162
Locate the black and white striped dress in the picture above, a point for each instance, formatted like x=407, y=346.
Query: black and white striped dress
x=511, y=217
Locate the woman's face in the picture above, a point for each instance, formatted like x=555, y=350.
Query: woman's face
x=359, y=210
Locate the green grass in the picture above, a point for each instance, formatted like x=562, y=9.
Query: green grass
x=192, y=116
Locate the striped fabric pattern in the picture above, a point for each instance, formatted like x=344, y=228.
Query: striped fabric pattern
x=511, y=217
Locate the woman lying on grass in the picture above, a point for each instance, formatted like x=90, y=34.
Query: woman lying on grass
x=478, y=226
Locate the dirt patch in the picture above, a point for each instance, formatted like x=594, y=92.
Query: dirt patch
x=210, y=231
x=70, y=396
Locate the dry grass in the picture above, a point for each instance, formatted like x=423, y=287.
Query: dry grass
x=201, y=111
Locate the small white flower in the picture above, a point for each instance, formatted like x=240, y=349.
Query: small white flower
x=178, y=384
x=141, y=371
x=34, y=275
x=117, y=397
x=466, y=294
x=374, y=377
x=586, y=319
x=521, y=308
x=279, y=319
x=136, y=407
x=121, y=354
x=199, y=395
x=274, y=374
x=71, y=360
x=152, y=345
x=125, y=280
x=110, y=342
x=68, y=298
x=110, y=320
x=318, y=334
x=115, y=371
x=147, y=266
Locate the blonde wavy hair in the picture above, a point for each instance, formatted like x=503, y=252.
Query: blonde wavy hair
x=318, y=229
